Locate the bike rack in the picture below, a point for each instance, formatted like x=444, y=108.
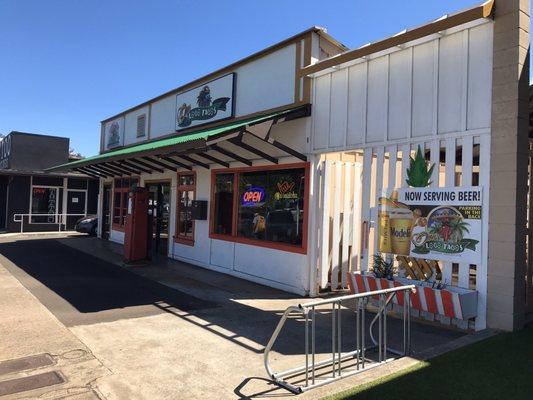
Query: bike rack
x=308, y=311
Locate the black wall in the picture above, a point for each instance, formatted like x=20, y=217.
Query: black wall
x=92, y=197
x=3, y=197
x=30, y=152
x=19, y=200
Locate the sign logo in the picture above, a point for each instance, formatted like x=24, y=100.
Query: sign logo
x=253, y=196
x=285, y=191
x=209, y=102
x=206, y=109
x=114, y=134
x=446, y=233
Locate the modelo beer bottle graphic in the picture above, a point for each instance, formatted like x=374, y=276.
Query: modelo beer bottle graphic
x=395, y=226
x=384, y=236
x=401, y=224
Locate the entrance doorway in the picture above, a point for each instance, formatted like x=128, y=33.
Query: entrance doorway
x=106, y=212
x=76, y=204
x=158, y=216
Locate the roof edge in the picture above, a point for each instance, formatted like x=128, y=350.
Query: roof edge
x=198, y=81
x=483, y=10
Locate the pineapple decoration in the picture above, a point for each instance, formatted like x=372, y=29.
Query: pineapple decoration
x=419, y=171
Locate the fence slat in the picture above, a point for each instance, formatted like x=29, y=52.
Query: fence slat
x=481, y=269
x=466, y=180
x=393, y=157
x=335, y=211
x=435, y=160
x=347, y=211
x=324, y=246
x=380, y=160
x=365, y=204
x=406, y=152
x=449, y=181
x=356, y=223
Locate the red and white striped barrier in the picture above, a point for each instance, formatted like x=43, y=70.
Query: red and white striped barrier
x=451, y=302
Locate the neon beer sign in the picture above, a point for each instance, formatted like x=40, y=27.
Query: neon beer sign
x=253, y=196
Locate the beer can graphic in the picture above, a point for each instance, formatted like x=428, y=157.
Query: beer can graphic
x=384, y=238
x=401, y=225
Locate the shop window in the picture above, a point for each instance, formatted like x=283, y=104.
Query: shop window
x=263, y=206
x=223, y=204
x=44, y=200
x=120, y=200
x=186, y=192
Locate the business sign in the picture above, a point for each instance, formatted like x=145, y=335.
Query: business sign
x=210, y=102
x=285, y=191
x=5, y=152
x=253, y=197
x=436, y=224
x=114, y=131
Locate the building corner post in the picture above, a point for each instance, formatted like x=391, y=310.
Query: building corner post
x=508, y=166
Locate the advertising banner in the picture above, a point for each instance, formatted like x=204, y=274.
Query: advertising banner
x=432, y=223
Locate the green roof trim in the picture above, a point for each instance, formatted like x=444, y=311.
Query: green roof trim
x=202, y=134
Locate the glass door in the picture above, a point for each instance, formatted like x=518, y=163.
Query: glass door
x=106, y=212
x=159, y=216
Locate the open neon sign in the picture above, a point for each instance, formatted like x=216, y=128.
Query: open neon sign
x=253, y=196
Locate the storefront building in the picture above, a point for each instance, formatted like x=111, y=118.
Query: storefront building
x=234, y=144
x=288, y=167
x=33, y=200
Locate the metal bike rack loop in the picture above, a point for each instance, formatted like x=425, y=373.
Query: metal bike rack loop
x=308, y=311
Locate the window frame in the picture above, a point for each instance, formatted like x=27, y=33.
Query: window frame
x=114, y=226
x=302, y=249
x=177, y=237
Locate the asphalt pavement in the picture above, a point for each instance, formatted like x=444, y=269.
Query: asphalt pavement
x=79, y=288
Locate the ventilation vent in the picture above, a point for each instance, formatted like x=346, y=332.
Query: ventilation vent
x=141, y=125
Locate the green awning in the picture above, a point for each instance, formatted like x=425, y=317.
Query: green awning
x=179, y=143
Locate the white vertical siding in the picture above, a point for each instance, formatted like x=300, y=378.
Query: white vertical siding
x=377, y=99
x=338, y=120
x=400, y=84
x=321, y=112
x=437, y=85
x=357, y=88
x=480, y=66
x=450, y=83
x=424, y=68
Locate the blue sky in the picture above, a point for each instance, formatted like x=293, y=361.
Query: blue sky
x=66, y=65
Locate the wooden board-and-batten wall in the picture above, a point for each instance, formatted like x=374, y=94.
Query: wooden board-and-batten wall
x=433, y=92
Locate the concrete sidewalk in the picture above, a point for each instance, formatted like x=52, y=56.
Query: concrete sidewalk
x=28, y=328
x=204, y=353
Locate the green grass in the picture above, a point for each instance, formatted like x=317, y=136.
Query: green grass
x=500, y=367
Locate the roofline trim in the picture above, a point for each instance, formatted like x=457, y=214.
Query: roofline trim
x=484, y=10
x=198, y=81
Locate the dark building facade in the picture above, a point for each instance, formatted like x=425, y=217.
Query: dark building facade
x=32, y=200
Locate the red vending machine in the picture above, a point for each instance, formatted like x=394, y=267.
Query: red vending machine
x=136, y=227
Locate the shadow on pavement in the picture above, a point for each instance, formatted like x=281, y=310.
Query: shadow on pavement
x=93, y=285
x=88, y=283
